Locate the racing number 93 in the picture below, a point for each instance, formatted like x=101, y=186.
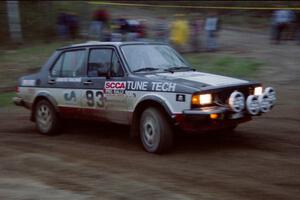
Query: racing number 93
x=95, y=98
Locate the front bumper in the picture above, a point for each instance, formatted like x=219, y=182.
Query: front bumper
x=196, y=120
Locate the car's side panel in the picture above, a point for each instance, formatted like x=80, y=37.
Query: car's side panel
x=67, y=101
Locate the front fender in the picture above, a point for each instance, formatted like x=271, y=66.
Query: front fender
x=157, y=99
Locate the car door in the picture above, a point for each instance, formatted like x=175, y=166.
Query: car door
x=65, y=79
x=104, y=86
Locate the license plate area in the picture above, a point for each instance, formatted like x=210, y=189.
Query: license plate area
x=236, y=115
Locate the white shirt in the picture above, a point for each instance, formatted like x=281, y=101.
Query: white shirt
x=211, y=24
x=283, y=16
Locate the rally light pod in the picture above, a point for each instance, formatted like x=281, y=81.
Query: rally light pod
x=252, y=105
x=264, y=103
x=271, y=94
x=237, y=101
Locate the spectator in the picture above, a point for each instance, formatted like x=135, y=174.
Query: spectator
x=142, y=29
x=280, y=21
x=73, y=25
x=99, y=26
x=179, y=32
x=297, y=23
x=211, y=27
x=116, y=35
x=132, y=34
x=161, y=30
x=62, y=26
x=195, y=25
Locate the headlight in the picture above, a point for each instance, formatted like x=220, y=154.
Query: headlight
x=202, y=99
x=258, y=90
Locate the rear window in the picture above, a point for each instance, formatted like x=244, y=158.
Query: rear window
x=69, y=64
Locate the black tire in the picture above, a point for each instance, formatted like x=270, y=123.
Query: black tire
x=155, y=131
x=46, y=118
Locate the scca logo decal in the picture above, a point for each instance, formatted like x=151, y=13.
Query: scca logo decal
x=120, y=85
x=70, y=96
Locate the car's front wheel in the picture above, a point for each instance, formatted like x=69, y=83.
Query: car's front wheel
x=155, y=131
x=46, y=118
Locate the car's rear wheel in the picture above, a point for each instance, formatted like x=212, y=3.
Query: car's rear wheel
x=155, y=131
x=46, y=118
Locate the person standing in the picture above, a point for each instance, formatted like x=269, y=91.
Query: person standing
x=99, y=25
x=195, y=25
x=161, y=30
x=179, y=33
x=62, y=25
x=211, y=27
x=280, y=21
x=297, y=24
x=73, y=25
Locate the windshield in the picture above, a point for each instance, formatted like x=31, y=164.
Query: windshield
x=141, y=57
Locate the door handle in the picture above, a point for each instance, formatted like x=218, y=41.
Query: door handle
x=51, y=81
x=88, y=82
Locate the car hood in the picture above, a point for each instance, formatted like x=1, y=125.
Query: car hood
x=197, y=80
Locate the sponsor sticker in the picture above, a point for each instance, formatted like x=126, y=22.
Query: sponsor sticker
x=70, y=97
x=28, y=82
x=114, y=87
x=137, y=85
x=163, y=86
x=180, y=97
x=152, y=86
x=236, y=115
x=75, y=80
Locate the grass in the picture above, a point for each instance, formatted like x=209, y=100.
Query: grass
x=6, y=99
x=224, y=65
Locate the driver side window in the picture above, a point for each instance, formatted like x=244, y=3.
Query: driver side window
x=104, y=60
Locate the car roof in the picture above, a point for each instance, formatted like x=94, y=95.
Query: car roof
x=98, y=43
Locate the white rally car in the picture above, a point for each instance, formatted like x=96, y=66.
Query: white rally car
x=148, y=86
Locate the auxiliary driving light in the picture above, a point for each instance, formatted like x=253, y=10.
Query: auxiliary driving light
x=258, y=90
x=271, y=94
x=252, y=105
x=264, y=102
x=237, y=101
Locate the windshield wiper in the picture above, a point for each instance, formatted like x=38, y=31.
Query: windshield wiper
x=173, y=69
x=146, y=69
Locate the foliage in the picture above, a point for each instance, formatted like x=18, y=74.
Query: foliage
x=6, y=99
x=225, y=65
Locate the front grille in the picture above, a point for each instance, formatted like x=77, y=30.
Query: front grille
x=223, y=95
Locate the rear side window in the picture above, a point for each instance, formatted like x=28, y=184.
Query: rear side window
x=56, y=69
x=69, y=64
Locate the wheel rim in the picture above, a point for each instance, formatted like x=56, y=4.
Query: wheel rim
x=44, y=117
x=150, y=133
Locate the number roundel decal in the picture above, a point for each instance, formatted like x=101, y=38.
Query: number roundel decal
x=95, y=98
x=90, y=98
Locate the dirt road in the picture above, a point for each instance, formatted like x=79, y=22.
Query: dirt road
x=259, y=161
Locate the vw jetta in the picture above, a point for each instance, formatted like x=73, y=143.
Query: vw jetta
x=148, y=86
